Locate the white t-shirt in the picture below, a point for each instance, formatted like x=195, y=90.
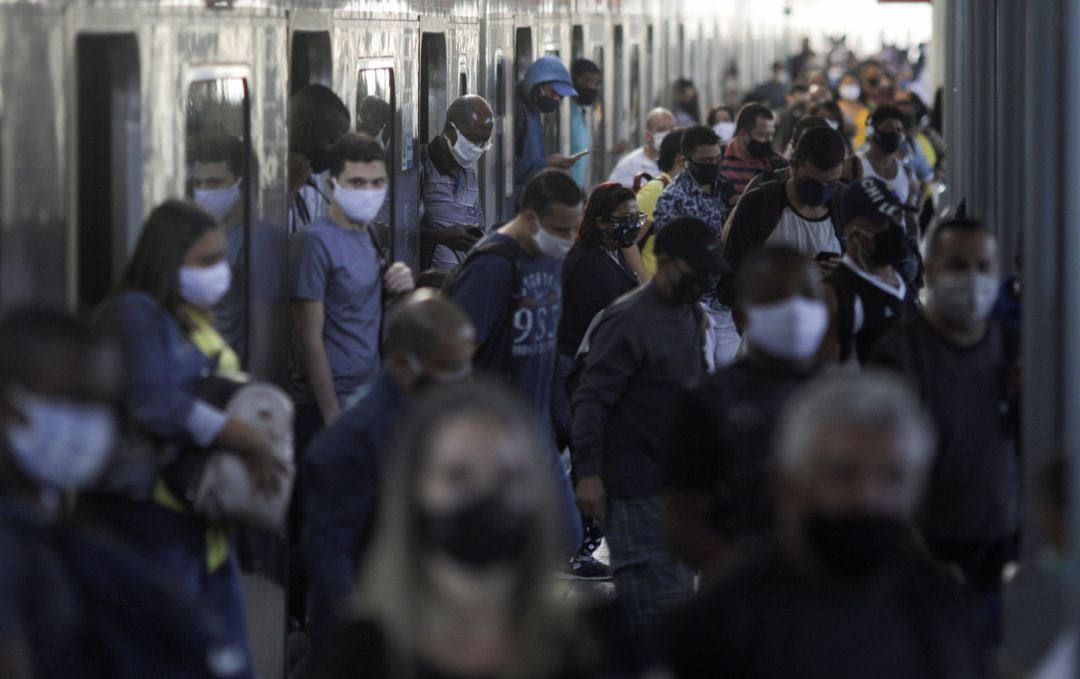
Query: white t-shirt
x=903, y=184
x=632, y=163
x=808, y=236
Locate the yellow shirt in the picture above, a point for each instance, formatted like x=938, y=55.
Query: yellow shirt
x=646, y=200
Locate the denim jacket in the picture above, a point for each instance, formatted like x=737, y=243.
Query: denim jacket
x=163, y=370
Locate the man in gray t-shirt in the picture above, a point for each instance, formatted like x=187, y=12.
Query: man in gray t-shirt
x=336, y=289
x=453, y=213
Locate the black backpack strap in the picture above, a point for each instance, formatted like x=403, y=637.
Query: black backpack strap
x=494, y=354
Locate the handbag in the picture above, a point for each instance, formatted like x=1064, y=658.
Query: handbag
x=216, y=482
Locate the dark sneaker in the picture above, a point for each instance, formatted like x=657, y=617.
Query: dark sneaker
x=585, y=568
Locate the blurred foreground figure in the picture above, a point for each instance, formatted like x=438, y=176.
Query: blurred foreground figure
x=844, y=593
x=73, y=601
x=467, y=537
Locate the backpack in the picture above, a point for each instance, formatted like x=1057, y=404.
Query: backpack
x=494, y=355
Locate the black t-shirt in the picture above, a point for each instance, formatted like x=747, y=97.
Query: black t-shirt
x=722, y=443
x=592, y=278
x=881, y=310
x=973, y=492
x=766, y=620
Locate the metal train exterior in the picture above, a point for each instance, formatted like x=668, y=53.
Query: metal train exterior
x=98, y=100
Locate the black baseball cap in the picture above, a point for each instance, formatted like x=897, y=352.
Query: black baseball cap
x=693, y=241
x=871, y=198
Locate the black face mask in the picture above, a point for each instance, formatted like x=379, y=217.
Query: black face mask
x=543, y=102
x=704, y=174
x=624, y=230
x=759, y=149
x=857, y=544
x=812, y=192
x=480, y=534
x=888, y=142
x=890, y=246
x=586, y=96
x=873, y=82
x=692, y=286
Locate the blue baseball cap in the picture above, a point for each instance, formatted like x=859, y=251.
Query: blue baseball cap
x=563, y=89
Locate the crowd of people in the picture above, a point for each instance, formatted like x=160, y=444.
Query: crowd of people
x=784, y=400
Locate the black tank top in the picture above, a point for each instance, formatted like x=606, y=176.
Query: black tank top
x=881, y=311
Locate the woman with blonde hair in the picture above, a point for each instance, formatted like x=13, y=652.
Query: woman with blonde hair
x=458, y=580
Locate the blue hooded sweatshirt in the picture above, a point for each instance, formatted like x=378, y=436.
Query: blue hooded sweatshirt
x=530, y=154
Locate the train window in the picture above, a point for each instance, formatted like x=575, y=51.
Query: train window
x=463, y=84
x=621, y=138
x=219, y=174
x=598, y=162
x=577, y=43
x=109, y=148
x=504, y=151
x=375, y=106
x=635, y=96
x=432, y=85
x=523, y=52
x=310, y=60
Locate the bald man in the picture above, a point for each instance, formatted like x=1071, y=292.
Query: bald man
x=428, y=339
x=658, y=123
x=453, y=217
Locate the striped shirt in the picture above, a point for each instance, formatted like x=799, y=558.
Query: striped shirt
x=739, y=167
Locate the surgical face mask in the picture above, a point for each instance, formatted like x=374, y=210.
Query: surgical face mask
x=857, y=544
x=704, y=174
x=551, y=246
x=658, y=138
x=725, y=130
x=464, y=151
x=63, y=444
x=218, y=202
x=888, y=142
x=849, y=92
x=814, y=193
x=204, y=286
x=963, y=299
x=481, y=534
x=790, y=330
x=359, y=205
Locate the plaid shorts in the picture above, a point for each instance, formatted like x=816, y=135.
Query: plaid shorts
x=649, y=580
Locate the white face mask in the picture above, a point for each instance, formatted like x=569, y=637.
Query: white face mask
x=658, y=138
x=359, y=205
x=725, y=130
x=791, y=330
x=218, y=202
x=551, y=246
x=963, y=299
x=204, y=286
x=464, y=151
x=63, y=444
x=850, y=92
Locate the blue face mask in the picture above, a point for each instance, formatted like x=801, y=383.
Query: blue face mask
x=63, y=444
x=812, y=192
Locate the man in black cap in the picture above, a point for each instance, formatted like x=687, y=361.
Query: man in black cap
x=867, y=294
x=646, y=345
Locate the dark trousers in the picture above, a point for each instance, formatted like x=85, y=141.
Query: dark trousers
x=307, y=424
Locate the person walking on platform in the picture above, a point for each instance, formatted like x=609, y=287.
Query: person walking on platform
x=545, y=84
x=428, y=341
x=957, y=357
x=884, y=156
x=658, y=124
x=751, y=151
x=845, y=590
x=510, y=287
x=718, y=498
x=648, y=344
x=453, y=214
